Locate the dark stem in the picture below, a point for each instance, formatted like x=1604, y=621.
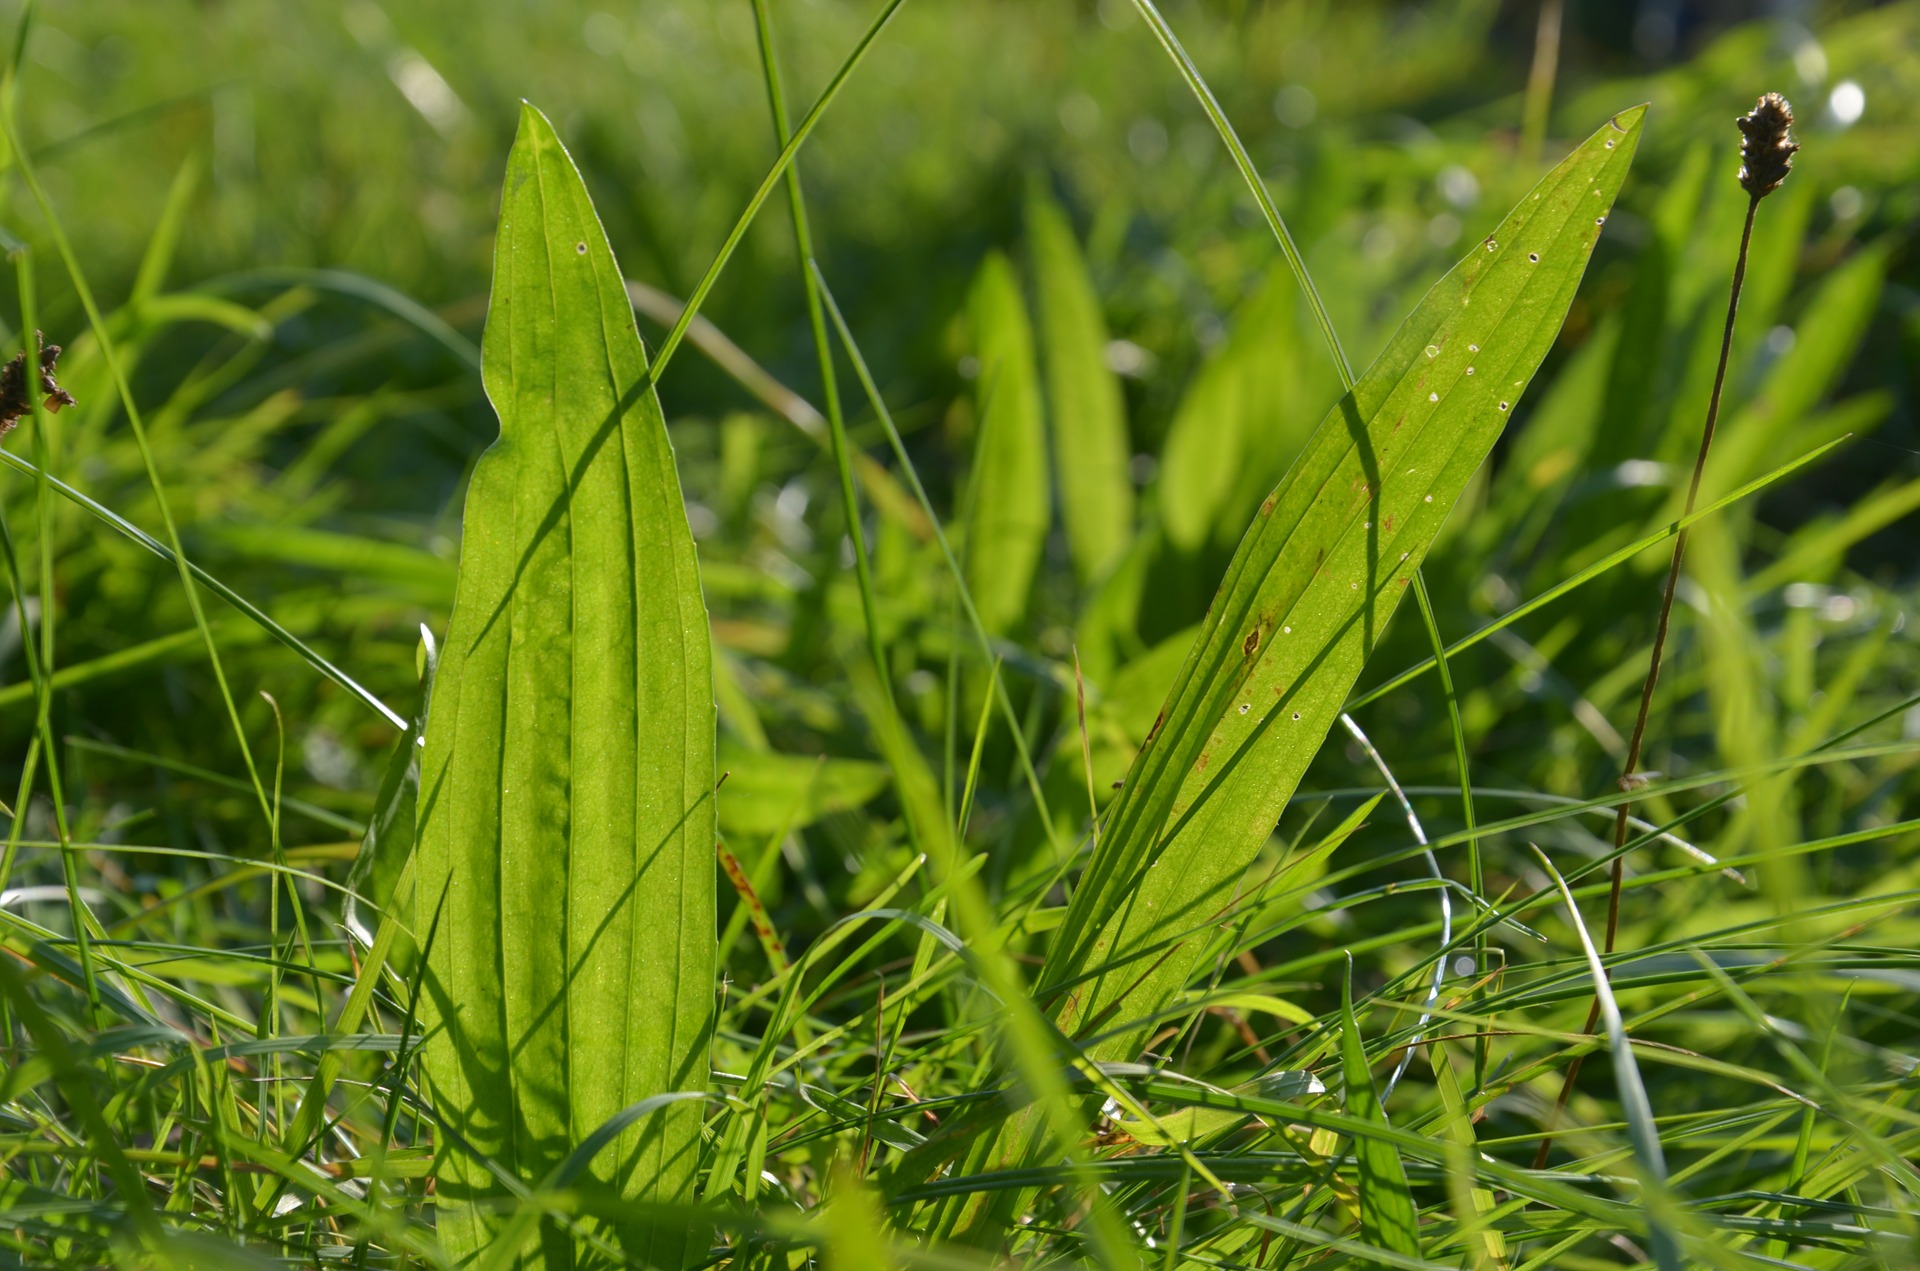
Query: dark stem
x=1630, y=777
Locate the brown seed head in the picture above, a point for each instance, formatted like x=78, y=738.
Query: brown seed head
x=1767, y=148
x=16, y=396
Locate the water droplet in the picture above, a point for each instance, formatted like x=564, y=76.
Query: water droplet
x=1469, y=370
x=1286, y=631
x=1492, y=246
x=1433, y=397
x=1366, y=525
x=1429, y=498
x=1599, y=220
x=1353, y=586
x=1534, y=257
x=1609, y=143
x=1433, y=350
x=1404, y=555
x=1473, y=348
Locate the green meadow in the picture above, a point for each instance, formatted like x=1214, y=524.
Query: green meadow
x=904, y=633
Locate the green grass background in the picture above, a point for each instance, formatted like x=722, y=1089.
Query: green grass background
x=315, y=448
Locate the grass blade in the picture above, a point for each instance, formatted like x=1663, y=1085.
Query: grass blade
x=1387, y=1215
x=1008, y=503
x=1084, y=408
x=1633, y=1093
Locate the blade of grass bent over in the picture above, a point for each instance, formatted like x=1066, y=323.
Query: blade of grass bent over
x=307, y=653
x=1251, y=174
x=566, y=806
x=1633, y=1092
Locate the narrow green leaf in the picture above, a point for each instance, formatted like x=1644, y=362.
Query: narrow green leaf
x=566, y=806
x=1387, y=1215
x=1641, y=1128
x=1009, y=505
x=388, y=843
x=1084, y=407
x=1303, y=603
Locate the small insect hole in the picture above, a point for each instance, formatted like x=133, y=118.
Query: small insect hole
x=1245, y=707
x=1503, y=405
x=1296, y=714
x=580, y=249
x=1469, y=370
x=1534, y=257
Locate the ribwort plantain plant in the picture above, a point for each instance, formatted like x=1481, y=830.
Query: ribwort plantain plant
x=1767, y=148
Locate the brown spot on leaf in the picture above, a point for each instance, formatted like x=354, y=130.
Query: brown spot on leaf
x=1252, y=643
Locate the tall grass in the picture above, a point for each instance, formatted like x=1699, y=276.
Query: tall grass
x=358, y=906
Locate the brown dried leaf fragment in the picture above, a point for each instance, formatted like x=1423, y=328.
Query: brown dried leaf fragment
x=15, y=395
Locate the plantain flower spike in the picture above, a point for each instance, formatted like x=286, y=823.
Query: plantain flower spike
x=1766, y=153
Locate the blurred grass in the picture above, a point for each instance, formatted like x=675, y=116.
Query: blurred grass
x=315, y=446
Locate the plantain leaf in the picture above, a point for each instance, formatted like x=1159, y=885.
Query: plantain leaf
x=566, y=806
x=1084, y=406
x=1315, y=579
x=1007, y=523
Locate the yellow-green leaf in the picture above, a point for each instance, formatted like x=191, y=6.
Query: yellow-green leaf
x=566, y=803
